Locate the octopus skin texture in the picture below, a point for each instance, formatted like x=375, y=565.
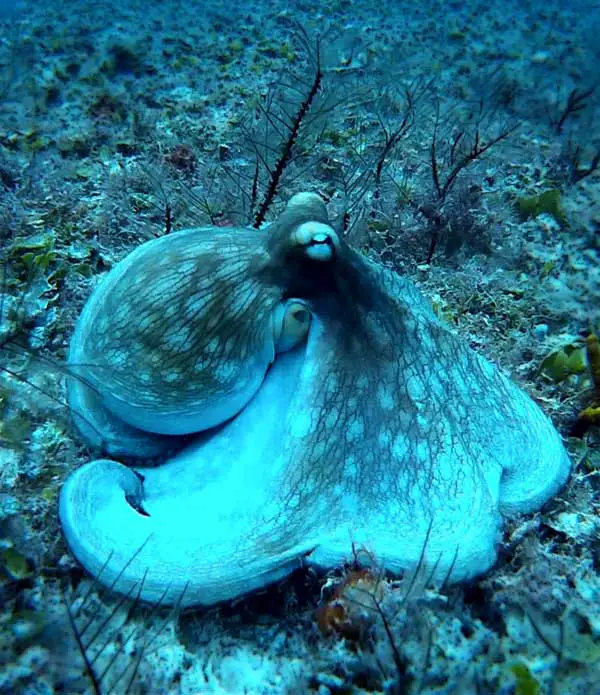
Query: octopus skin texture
x=300, y=400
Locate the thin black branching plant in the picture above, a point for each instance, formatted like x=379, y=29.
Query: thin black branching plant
x=115, y=673
x=576, y=101
x=418, y=580
x=449, y=157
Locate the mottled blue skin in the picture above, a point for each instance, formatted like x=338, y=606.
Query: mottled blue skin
x=369, y=424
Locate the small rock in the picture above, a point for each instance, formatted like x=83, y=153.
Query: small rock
x=540, y=57
x=540, y=331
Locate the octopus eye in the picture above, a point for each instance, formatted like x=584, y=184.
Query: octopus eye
x=295, y=324
x=319, y=241
x=298, y=315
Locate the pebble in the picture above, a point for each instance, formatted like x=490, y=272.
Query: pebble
x=541, y=330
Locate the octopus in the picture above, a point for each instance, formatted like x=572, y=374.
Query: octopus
x=269, y=399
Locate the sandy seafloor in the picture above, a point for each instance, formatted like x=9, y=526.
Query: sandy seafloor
x=108, y=110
